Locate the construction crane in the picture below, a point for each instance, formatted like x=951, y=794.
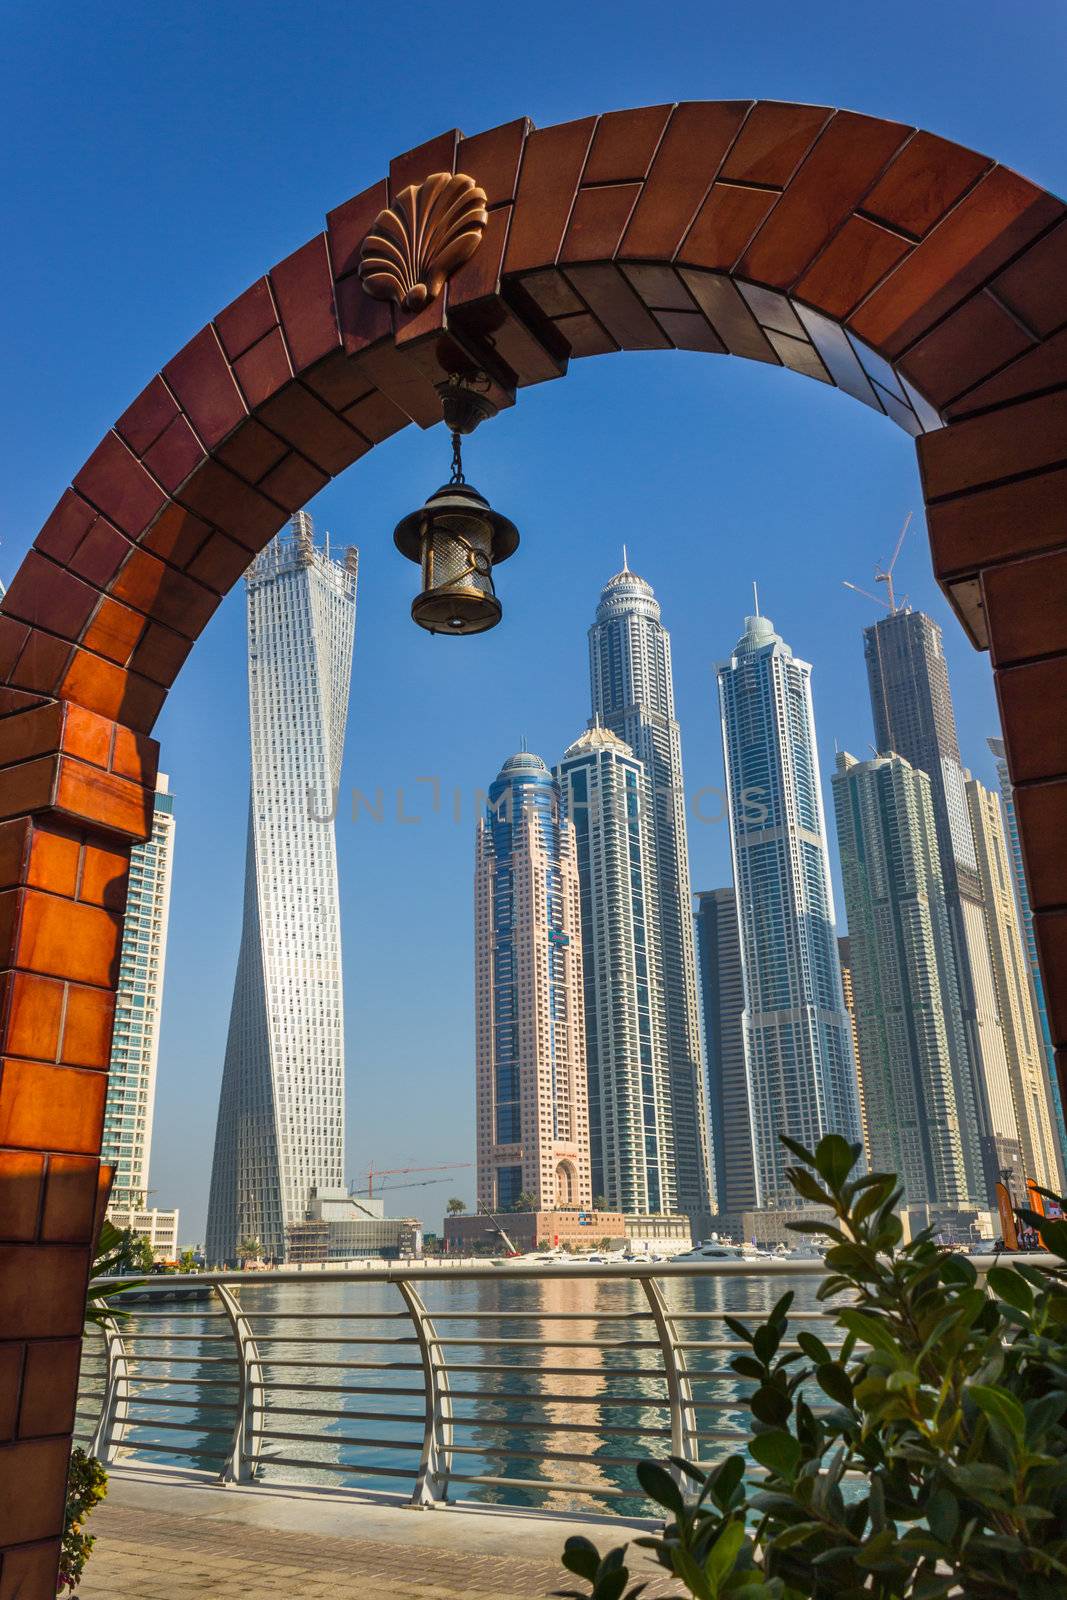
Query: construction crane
x=395, y=1172
x=885, y=575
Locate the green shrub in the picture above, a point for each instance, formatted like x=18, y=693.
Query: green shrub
x=86, y=1487
x=938, y=1468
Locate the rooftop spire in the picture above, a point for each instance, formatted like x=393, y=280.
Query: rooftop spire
x=755, y=595
x=625, y=563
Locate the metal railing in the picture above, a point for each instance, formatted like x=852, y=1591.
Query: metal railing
x=531, y=1384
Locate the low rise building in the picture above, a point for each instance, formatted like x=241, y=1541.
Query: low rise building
x=339, y=1227
x=160, y=1228
x=574, y=1228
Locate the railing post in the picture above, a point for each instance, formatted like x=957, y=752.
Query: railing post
x=241, y=1464
x=435, y=1463
x=684, y=1440
x=111, y=1426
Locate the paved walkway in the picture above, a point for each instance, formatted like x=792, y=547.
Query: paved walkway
x=169, y=1538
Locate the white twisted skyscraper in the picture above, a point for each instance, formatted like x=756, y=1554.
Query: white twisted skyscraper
x=282, y=1106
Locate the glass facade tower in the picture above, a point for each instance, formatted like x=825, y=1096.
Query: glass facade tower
x=532, y=1108
x=798, y=1038
x=131, y=1084
x=916, y=1079
x=633, y=695
x=722, y=988
x=280, y=1127
x=605, y=798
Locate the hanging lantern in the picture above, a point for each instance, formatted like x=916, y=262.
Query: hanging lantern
x=457, y=539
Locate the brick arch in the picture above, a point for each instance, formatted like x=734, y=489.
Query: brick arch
x=922, y=278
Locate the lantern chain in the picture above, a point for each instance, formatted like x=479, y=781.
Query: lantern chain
x=457, y=460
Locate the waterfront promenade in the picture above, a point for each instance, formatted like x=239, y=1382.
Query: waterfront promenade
x=162, y=1535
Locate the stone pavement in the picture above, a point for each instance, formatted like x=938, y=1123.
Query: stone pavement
x=170, y=1539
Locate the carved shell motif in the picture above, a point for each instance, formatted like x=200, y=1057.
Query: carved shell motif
x=418, y=243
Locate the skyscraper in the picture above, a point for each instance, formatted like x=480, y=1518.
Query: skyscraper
x=606, y=800
x=798, y=1039
x=916, y=1076
x=131, y=1084
x=633, y=695
x=532, y=1108
x=1015, y=1004
x=281, y=1109
x=722, y=988
x=1026, y=927
x=844, y=955
x=913, y=717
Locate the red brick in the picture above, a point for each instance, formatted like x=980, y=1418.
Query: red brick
x=1051, y=930
x=28, y=787
x=436, y=155
x=135, y=756
x=294, y=481
x=617, y=307
x=1033, y=286
x=313, y=429
x=21, y=1192
x=174, y=454
x=103, y=876
x=597, y=222
x=69, y=1200
x=724, y=225
x=87, y=1023
x=584, y=336
x=492, y=159
x=337, y=380
x=995, y=524
x=49, y=1386
x=251, y=451
x=303, y=290
x=41, y=663
x=112, y=691
x=774, y=140
x=624, y=144
x=100, y=554
x=926, y=179
x=219, y=564
x=169, y=596
x=142, y=423
x=348, y=226
x=1032, y=699
x=36, y=733
x=53, y=863
x=162, y=652
x=11, y=1359
x=849, y=155
x=177, y=535
x=262, y=371
x=31, y=1015
x=364, y=322
x=247, y=319
x=972, y=342
x=1042, y=812
x=50, y=1107
x=48, y=596
x=114, y=631
x=30, y=1571
x=201, y=378
x=104, y=798
x=116, y=483
x=688, y=159
x=62, y=938
x=857, y=258
x=480, y=276
x=31, y=1509
x=1026, y=608
x=551, y=167
x=222, y=498
x=66, y=526
x=376, y=417
x=1041, y=368
x=997, y=218
x=999, y=444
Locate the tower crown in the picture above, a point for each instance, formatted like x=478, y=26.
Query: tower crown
x=627, y=592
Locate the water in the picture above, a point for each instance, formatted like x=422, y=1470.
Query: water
x=559, y=1424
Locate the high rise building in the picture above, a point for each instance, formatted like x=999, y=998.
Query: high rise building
x=913, y=716
x=722, y=989
x=916, y=1076
x=532, y=1108
x=798, y=1038
x=281, y=1109
x=844, y=955
x=1015, y=1003
x=131, y=1084
x=1026, y=926
x=633, y=695
x=606, y=800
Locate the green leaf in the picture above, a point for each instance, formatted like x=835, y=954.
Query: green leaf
x=771, y=1405
x=813, y=1347
x=834, y=1381
x=871, y=1330
x=746, y=1367
x=777, y=1450
x=1000, y=1407
x=658, y=1484
x=807, y=1186
x=739, y=1329
x=765, y=1342
x=835, y=1158
x=796, y=1534
x=726, y=1478
x=1007, y=1285
x=1043, y=1414
x=581, y=1557
x=943, y=1515
x=724, y=1552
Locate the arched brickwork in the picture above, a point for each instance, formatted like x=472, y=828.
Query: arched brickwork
x=918, y=276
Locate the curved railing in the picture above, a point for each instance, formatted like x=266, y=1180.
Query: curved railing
x=532, y=1384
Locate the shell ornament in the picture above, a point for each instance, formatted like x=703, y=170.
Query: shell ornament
x=418, y=242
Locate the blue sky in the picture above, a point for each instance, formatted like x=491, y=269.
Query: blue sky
x=153, y=166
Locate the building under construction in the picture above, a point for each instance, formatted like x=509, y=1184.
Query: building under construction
x=341, y=1227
